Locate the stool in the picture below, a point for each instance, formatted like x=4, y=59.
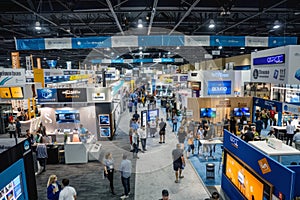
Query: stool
x=61, y=156
x=210, y=171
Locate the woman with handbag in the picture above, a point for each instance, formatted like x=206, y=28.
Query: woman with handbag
x=109, y=171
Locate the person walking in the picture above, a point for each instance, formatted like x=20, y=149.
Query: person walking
x=174, y=121
x=12, y=129
x=153, y=128
x=289, y=133
x=135, y=144
x=162, y=131
x=68, y=192
x=18, y=127
x=125, y=169
x=178, y=162
x=181, y=135
x=53, y=188
x=232, y=123
x=165, y=195
x=142, y=132
x=109, y=171
x=41, y=154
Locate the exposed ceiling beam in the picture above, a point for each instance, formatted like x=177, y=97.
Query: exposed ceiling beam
x=184, y=16
x=30, y=4
x=259, y=13
x=42, y=17
x=115, y=16
x=152, y=16
x=120, y=3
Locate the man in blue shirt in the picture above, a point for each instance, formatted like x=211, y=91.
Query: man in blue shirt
x=82, y=133
x=296, y=140
x=125, y=169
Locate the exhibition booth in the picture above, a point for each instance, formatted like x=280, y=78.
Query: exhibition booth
x=17, y=172
x=249, y=173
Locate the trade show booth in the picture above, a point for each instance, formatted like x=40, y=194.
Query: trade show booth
x=248, y=173
x=17, y=172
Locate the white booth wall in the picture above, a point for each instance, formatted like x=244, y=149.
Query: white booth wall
x=87, y=117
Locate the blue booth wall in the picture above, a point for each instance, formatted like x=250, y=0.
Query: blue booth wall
x=268, y=104
x=281, y=177
x=296, y=169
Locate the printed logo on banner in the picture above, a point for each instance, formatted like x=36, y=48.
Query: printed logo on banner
x=26, y=145
x=255, y=73
x=264, y=166
x=72, y=95
x=47, y=95
x=234, y=141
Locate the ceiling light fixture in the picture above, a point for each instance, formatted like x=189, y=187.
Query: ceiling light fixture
x=140, y=23
x=211, y=24
x=38, y=26
x=276, y=24
x=220, y=47
x=242, y=48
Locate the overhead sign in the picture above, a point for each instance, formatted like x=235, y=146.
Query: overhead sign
x=72, y=95
x=184, y=78
x=269, y=74
x=219, y=88
x=16, y=92
x=295, y=109
x=5, y=93
x=47, y=95
x=269, y=60
x=12, y=76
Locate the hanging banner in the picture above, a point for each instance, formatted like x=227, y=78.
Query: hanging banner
x=38, y=76
x=12, y=76
x=15, y=60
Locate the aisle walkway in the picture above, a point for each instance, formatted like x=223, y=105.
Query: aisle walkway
x=154, y=170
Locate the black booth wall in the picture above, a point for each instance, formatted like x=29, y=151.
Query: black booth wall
x=12, y=155
x=105, y=108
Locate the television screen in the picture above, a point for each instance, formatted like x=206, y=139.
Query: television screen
x=67, y=116
x=13, y=182
x=249, y=184
x=104, y=119
x=105, y=131
x=238, y=112
x=208, y=112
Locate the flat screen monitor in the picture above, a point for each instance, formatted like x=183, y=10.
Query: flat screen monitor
x=67, y=116
x=247, y=182
x=105, y=131
x=238, y=112
x=104, y=119
x=208, y=112
x=13, y=182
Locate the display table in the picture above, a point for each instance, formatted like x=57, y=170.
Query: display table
x=76, y=152
x=208, y=146
x=284, y=151
x=94, y=152
x=280, y=131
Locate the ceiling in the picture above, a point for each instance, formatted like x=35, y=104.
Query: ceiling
x=78, y=18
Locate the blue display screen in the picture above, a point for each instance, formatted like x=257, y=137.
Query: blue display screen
x=219, y=87
x=13, y=182
x=238, y=112
x=208, y=112
x=269, y=60
x=67, y=116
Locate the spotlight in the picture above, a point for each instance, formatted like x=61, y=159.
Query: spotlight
x=38, y=26
x=211, y=24
x=276, y=24
x=140, y=23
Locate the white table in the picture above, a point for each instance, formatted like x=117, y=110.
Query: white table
x=279, y=128
x=207, y=144
x=286, y=150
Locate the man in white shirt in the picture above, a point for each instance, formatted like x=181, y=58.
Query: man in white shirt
x=68, y=192
x=143, y=136
x=289, y=133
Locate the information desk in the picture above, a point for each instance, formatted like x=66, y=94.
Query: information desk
x=286, y=150
x=76, y=152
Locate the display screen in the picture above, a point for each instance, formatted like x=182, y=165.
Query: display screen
x=238, y=112
x=13, y=190
x=152, y=114
x=249, y=184
x=5, y=93
x=269, y=60
x=208, y=112
x=105, y=131
x=104, y=120
x=219, y=87
x=16, y=92
x=67, y=116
